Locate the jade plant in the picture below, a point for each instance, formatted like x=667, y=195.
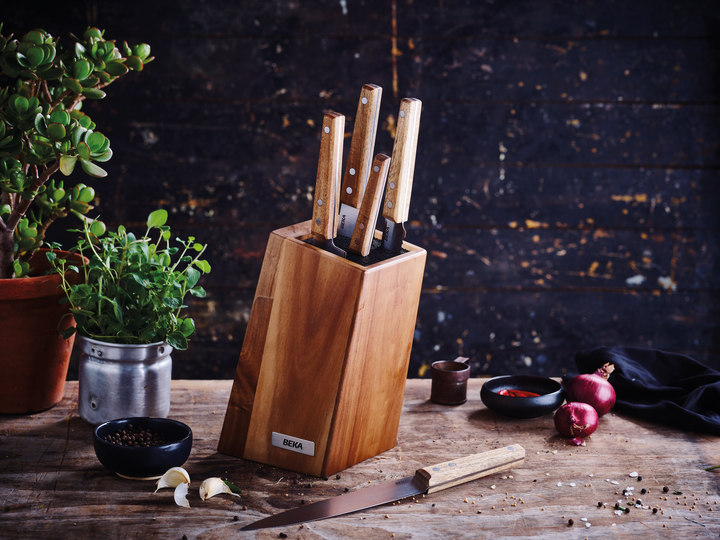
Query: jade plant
x=133, y=287
x=43, y=131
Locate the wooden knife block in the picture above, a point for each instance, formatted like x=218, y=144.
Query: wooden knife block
x=325, y=357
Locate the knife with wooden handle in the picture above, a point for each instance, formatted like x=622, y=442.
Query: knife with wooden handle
x=359, y=160
x=363, y=234
x=426, y=480
x=400, y=178
x=326, y=183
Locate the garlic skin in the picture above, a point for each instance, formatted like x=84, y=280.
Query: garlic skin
x=214, y=486
x=173, y=478
x=180, y=495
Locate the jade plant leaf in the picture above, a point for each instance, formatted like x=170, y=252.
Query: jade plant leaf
x=92, y=169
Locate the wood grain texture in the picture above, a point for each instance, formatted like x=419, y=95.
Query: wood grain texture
x=362, y=145
x=326, y=204
x=329, y=366
x=400, y=177
x=466, y=469
x=53, y=485
x=364, y=231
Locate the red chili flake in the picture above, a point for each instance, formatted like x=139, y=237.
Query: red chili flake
x=517, y=393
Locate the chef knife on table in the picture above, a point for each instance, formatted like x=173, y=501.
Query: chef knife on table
x=363, y=234
x=426, y=480
x=400, y=177
x=326, y=183
x=359, y=158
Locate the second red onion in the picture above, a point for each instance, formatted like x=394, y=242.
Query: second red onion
x=576, y=420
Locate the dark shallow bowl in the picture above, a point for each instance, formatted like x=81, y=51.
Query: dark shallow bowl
x=144, y=461
x=550, y=398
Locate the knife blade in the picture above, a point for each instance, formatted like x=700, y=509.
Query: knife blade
x=363, y=234
x=357, y=167
x=400, y=177
x=426, y=480
x=326, y=183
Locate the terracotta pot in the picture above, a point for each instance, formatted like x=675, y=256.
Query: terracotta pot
x=34, y=357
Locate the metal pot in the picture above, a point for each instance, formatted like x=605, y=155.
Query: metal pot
x=121, y=381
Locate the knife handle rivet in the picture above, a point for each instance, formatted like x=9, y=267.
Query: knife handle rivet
x=320, y=203
x=451, y=465
x=436, y=468
x=352, y=172
x=392, y=185
x=349, y=190
x=390, y=204
x=327, y=129
x=376, y=168
x=318, y=221
x=361, y=225
x=357, y=240
x=364, y=101
x=402, y=114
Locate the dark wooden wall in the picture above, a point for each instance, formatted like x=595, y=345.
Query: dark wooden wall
x=567, y=163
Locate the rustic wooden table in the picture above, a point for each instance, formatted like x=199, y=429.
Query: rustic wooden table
x=52, y=486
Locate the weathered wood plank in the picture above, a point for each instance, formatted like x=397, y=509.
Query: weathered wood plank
x=569, y=259
x=451, y=133
x=590, y=20
x=55, y=486
x=525, y=331
x=301, y=68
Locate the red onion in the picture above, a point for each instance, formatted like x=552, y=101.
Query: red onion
x=576, y=420
x=593, y=389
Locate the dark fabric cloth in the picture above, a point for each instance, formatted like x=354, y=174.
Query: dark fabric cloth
x=664, y=387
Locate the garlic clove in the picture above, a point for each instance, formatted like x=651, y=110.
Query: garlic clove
x=214, y=486
x=173, y=478
x=180, y=495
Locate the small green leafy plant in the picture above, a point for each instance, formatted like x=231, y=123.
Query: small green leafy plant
x=42, y=131
x=134, y=287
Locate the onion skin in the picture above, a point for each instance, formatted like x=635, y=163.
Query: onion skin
x=593, y=389
x=576, y=420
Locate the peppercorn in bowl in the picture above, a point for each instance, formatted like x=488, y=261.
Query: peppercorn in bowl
x=142, y=448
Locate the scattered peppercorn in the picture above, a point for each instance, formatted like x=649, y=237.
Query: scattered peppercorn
x=599, y=505
x=337, y=477
x=235, y=518
x=627, y=510
x=302, y=501
x=326, y=478
x=347, y=489
x=666, y=489
x=132, y=436
x=639, y=478
x=654, y=510
x=282, y=535
x=643, y=491
x=570, y=522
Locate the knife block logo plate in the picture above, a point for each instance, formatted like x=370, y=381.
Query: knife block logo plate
x=294, y=444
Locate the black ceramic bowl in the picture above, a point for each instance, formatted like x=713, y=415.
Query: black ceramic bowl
x=144, y=461
x=550, y=398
